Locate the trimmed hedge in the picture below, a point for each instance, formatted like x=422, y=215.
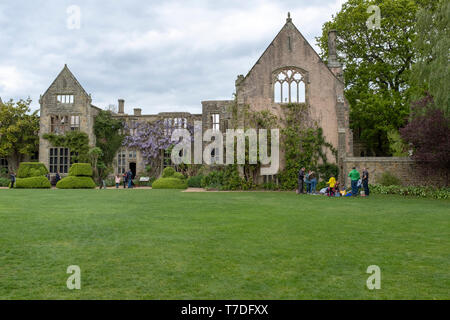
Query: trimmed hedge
x=168, y=172
x=31, y=169
x=195, y=182
x=72, y=182
x=40, y=182
x=169, y=183
x=80, y=170
x=178, y=175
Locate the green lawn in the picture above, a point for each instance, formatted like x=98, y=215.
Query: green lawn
x=157, y=244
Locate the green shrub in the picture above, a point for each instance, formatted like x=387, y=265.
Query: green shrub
x=168, y=172
x=226, y=179
x=40, y=182
x=195, y=182
x=414, y=191
x=72, y=182
x=31, y=169
x=81, y=170
x=169, y=183
x=4, y=182
x=389, y=179
x=178, y=175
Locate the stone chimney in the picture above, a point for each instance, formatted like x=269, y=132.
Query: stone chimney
x=121, y=106
x=138, y=112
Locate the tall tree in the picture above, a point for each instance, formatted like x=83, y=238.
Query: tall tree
x=377, y=63
x=19, y=132
x=431, y=72
x=428, y=133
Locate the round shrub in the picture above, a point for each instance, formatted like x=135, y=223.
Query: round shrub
x=31, y=169
x=72, y=182
x=169, y=183
x=178, y=175
x=81, y=170
x=168, y=172
x=40, y=182
x=195, y=182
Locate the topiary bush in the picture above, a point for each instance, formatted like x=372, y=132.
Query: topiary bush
x=31, y=169
x=72, y=182
x=389, y=179
x=40, y=182
x=81, y=170
x=169, y=183
x=178, y=175
x=168, y=172
x=195, y=181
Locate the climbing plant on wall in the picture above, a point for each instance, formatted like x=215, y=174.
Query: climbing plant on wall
x=304, y=145
x=109, y=138
x=76, y=141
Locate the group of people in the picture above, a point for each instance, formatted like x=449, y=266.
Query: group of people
x=333, y=186
x=309, y=178
x=127, y=180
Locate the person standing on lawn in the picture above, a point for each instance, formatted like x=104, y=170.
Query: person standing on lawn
x=365, y=181
x=117, y=181
x=313, y=179
x=57, y=178
x=13, y=180
x=354, y=177
x=130, y=179
x=124, y=176
x=301, y=178
x=308, y=182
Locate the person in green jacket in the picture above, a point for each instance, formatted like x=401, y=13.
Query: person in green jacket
x=354, y=177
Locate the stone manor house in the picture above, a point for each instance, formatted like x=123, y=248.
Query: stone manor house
x=289, y=70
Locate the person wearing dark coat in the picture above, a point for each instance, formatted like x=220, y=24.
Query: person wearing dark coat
x=301, y=178
x=365, y=182
x=13, y=180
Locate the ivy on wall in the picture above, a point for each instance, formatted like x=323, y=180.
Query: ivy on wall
x=302, y=142
x=304, y=145
x=109, y=138
x=76, y=141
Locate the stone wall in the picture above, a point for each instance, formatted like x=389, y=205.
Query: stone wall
x=404, y=168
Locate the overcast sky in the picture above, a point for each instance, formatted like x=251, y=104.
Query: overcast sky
x=157, y=55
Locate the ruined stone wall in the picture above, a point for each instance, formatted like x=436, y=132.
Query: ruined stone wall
x=404, y=168
x=324, y=91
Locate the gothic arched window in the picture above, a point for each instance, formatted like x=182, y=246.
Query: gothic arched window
x=289, y=86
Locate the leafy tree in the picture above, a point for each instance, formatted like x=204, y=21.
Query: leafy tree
x=19, y=130
x=377, y=64
x=428, y=132
x=431, y=72
x=109, y=138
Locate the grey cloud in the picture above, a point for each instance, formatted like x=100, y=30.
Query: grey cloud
x=158, y=55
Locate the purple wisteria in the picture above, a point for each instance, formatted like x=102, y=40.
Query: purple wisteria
x=150, y=138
